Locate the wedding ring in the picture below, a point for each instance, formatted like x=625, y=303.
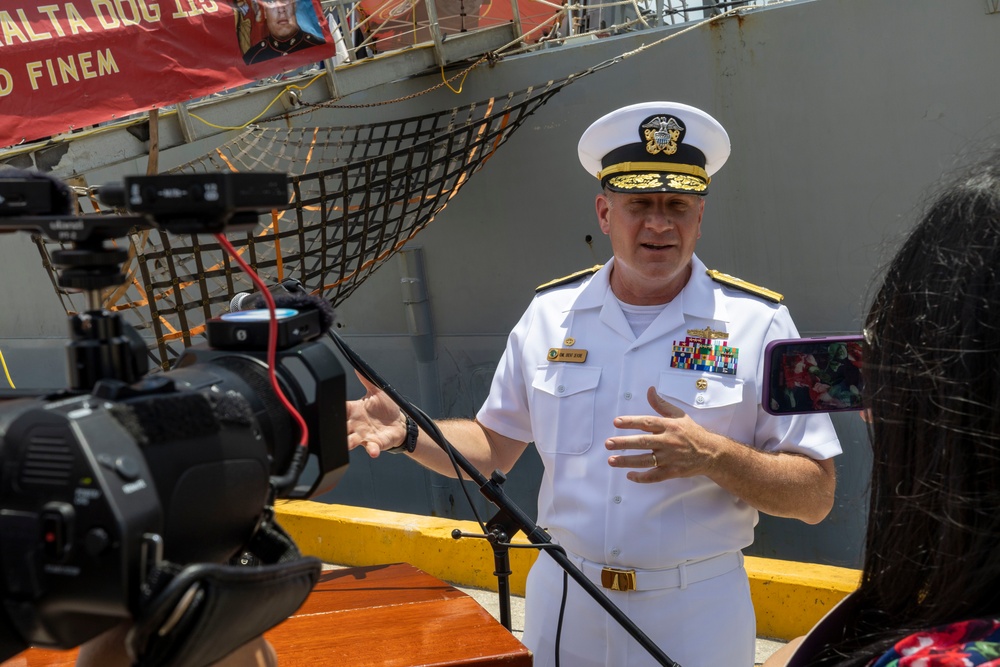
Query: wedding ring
x=655, y=464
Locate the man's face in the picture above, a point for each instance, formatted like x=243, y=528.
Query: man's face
x=653, y=238
x=280, y=17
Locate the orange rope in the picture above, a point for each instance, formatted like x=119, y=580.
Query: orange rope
x=280, y=261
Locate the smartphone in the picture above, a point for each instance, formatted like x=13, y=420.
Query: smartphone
x=803, y=375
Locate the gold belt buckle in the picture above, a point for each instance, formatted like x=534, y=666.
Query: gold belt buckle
x=618, y=580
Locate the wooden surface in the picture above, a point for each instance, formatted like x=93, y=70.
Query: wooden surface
x=380, y=616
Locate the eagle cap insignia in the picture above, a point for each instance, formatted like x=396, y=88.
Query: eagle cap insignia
x=662, y=134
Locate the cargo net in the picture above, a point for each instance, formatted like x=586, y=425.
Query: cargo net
x=358, y=195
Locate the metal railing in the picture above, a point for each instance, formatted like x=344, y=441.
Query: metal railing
x=373, y=27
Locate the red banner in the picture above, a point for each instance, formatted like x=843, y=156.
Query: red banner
x=69, y=65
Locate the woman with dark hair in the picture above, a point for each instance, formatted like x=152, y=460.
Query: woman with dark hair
x=930, y=586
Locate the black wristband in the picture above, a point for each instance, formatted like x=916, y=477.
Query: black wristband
x=410, y=442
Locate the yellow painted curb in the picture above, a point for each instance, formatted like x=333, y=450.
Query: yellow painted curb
x=788, y=597
x=359, y=536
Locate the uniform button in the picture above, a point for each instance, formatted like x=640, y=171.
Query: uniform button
x=561, y=389
x=699, y=399
x=617, y=500
x=615, y=551
x=628, y=396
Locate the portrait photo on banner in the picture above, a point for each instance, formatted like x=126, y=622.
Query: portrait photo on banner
x=267, y=29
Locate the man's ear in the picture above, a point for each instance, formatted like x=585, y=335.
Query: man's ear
x=603, y=206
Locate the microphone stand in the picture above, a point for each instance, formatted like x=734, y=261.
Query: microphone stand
x=499, y=530
x=510, y=513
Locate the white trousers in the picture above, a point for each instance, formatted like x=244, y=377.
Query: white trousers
x=707, y=624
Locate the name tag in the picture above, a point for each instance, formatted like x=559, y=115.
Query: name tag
x=564, y=354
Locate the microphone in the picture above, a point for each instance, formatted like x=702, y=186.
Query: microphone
x=300, y=316
x=254, y=300
x=305, y=302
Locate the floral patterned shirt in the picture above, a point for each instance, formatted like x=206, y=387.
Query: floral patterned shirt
x=962, y=644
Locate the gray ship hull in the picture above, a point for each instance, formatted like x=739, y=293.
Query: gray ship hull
x=842, y=115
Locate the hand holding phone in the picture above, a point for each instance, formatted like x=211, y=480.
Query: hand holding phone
x=803, y=375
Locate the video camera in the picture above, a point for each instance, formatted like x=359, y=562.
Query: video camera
x=127, y=496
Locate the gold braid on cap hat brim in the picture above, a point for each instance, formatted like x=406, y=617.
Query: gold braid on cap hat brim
x=660, y=167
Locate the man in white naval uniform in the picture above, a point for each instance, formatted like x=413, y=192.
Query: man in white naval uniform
x=640, y=384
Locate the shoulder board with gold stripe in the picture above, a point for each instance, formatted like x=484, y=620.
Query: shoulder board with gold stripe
x=565, y=280
x=743, y=285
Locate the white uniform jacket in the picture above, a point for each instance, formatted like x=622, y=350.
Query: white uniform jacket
x=703, y=353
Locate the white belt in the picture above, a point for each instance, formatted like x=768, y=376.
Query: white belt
x=679, y=576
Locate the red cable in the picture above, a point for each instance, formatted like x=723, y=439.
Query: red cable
x=272, y=337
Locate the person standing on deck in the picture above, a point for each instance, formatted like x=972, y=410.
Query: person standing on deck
x=639, y=382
